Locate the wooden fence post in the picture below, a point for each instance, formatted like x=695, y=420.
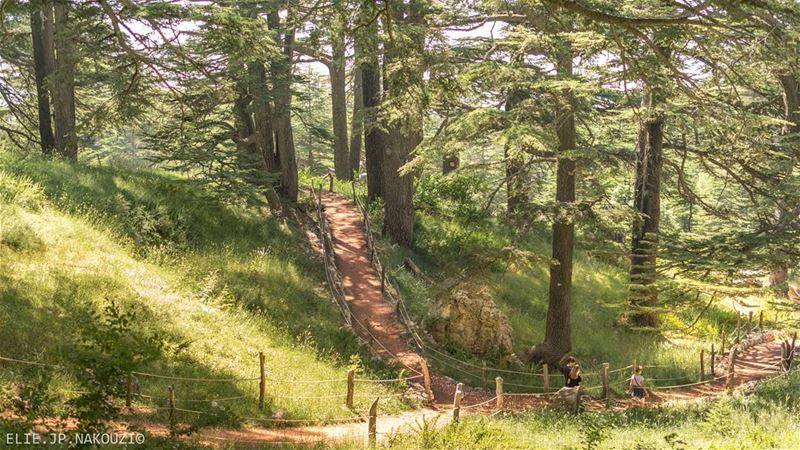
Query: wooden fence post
x=761, y=320
x=351, y=375
x=129, y=392
x=262, y=384
x=353, y=183
x=546, y=376
x=750, y=321
x=791, y=350
x=498, y=390
x=784, y=354
x=738, y=328
x=459, y=394
x=330, y=186
x=372, y=427
x=702, y=364
x=722, y=349
x=171, y=389
x=426, y=379
x=732, y=368
x=383, y=278
x=713, y=361
x=606, y=391
x=483, y=375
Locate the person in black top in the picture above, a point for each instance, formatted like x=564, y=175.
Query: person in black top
x=572, y=373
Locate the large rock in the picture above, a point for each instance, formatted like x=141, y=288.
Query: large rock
x=468, y=317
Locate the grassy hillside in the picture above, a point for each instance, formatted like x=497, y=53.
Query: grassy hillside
x=131, y=268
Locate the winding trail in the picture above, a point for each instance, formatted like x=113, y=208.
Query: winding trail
x=389, y=339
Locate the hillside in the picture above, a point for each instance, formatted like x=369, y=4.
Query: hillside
x=134, y=269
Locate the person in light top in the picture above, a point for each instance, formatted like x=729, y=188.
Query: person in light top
x=637, y=387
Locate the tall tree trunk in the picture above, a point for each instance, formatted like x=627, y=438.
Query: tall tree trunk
x=644, y=239
x=405, y=131
x=779, y=273
x=374, y=136
x=64, y=87
x=262, y=116
x=557, y=339
x=281, y=68
x=341, y=151
x=357, y=124
x=517, y=179
x=42, y=33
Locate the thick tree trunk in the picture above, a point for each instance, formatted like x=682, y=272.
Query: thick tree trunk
x=374, y=137
x=644, y=239
x=262, y=116
x=517, y=179
x=557, y=340
x=405, y=132
x=281, y=69
x=341, y=151
x=42, y=32
x=357, y=130
x=779, y=273
x=64, y=86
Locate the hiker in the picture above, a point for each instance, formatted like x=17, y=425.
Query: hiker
x=637, y=386
x=572, y=373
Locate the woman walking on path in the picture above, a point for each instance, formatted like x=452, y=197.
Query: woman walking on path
x=637, y=386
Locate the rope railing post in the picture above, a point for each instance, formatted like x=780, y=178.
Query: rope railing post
x=330, y=178
x=171, y=392
x=750, y=321
x=713, y=361
x=262, y=381
x=372, y=426
x=606, y=391
x=732, y=368
x=483, y=375
x=738, y=328
x=351, y=375
x=722, y=348
x=498, y=390
x=459, y=394
x=546, y=375
x=383, y=279
x=426, y=379
x=129, y=392
x=761, y=320
x=702, y=364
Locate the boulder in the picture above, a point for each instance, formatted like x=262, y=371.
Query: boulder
x=468, y=317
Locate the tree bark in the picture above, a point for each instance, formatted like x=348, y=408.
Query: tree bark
x=779, y=273
x=281, y=69
x=341, y=151
x=64, y=87
x=405, y=131
x=374, y=136
x=262, y=116
x=517, y=179
x=44, y=66
x=644, y=239
x=357, y=130
x=557, y=340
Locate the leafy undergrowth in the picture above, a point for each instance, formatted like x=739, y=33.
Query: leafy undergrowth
x=766, y=419
x=106, y=270
x=455, y=240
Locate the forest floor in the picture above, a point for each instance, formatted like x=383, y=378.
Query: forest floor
x=363, y=292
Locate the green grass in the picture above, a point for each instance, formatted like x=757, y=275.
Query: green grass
x=209, y=284
x=766, y=419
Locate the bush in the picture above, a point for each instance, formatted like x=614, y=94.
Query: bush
x=21, y=190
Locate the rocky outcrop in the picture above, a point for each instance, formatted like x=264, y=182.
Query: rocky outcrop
x=468, y=317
